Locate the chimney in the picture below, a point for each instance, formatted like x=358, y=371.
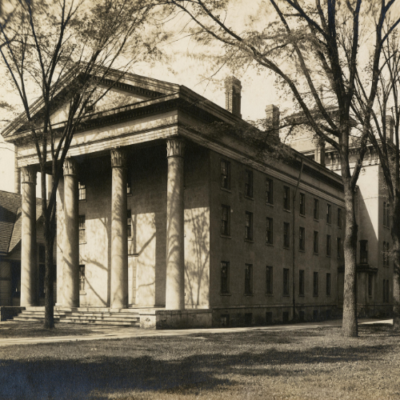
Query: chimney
x=389, y=128
x=233, y=95
x=319, y=153
x=272, y=119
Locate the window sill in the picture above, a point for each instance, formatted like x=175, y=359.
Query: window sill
x=316, y=219
x=225, y=294
x=288, y=211
x=269, y=244
x=226, y=190
x=225, y=236
x=269, y=204
x=82, y=243
x=249, y=294
x=249, y=197
x=248, y=240
x=82, y=200
x=302, y=215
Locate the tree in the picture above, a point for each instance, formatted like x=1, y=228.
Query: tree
x=62, y=52
x=384, y=137
x=306, y=45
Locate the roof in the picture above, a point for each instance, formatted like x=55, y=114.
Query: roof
x=10, y=220
x=10, y=203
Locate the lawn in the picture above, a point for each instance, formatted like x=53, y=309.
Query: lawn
x=304, y=364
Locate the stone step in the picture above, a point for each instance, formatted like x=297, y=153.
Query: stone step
x=96, y=322
x=31, y=319
x=40, y=313
x=119, y=315
x=85, y=318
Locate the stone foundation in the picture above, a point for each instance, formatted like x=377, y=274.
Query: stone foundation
x=175, y=319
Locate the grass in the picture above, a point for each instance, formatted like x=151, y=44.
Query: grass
x=274, y=365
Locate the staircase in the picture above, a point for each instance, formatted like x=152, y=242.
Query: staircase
x=84, y=316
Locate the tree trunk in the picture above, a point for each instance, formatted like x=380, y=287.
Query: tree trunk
x=396, y=262
x=48, y=274
x=349, y=325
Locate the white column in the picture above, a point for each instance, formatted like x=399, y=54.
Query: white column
x=175, y=258
x=70, y=279
x=119, y=240
x=28, y=237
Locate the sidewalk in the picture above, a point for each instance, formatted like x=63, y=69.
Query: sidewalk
x=125, y=333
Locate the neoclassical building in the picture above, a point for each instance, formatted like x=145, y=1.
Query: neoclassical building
x=159, y=216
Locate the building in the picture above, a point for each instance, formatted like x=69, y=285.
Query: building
x=189, y=228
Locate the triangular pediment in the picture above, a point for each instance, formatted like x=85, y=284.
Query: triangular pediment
x=122, y=89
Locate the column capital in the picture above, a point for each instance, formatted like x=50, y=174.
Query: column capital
x=69, y=167
x=28, y=175
x=118, y=158
x=175, y=147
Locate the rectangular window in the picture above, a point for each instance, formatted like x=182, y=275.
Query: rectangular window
x=328, y=284
x=286, y=234
x=225, y=220
x=328, y=214
x=386, y=254
x=15, y=279
x=363, y=251
x=248, y=279
x=81, y=191
x=286, y=282
x=42, y=253
x=286, y=198
x=339, y=247
x=224, y=277
x=328, y=245
x=248, y=233
x=339, y=217
x=302, y=239
x=82, y=229
x=316, y=209
x=269, y=280
x=302, y=204
x=270, y=231
x=370, y=276
x=301, y=282
x=82, y=279
x=129, y=224
x=225, y=174
x=315, y=284
x=248, y=186
x=386, y=218
x=269, y=191
x=316, y=240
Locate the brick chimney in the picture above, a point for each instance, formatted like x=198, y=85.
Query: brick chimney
x=272, y=115
x=233, y=95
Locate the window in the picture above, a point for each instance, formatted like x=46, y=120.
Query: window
x=248, y=233
x=315, y=284
x=82, y=278
x=269, y=280
x=286, y=282
x=129, y=224
x=328, y=284
x=301, y=282
x=248, y=279
x=328, y=214
x=370, y=276
x=328, y=245
x=82, y=233
x=285, y=317
x=316, y=209
x=42, y=253
x=386, y=291
x=248, y=319
x=224, y=277
x=225, y=174
x=224, y=320
x=270, y=231
x=268, y=317
x=339, y=247
x=302, y=239
x=269, y=191
x=16, y=279
x=248, y=186
x=339, y=217
x=286, y=232
x=302, y=204
x=385, y=254
x=286, y=198
x=81, y=191
x=225, y=220
x=386, y=221
x=363, y=251
x=316, y=240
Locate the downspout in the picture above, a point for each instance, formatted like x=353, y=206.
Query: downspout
x=293, y=246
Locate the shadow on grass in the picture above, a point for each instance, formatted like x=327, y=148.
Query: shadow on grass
x=100, y=376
